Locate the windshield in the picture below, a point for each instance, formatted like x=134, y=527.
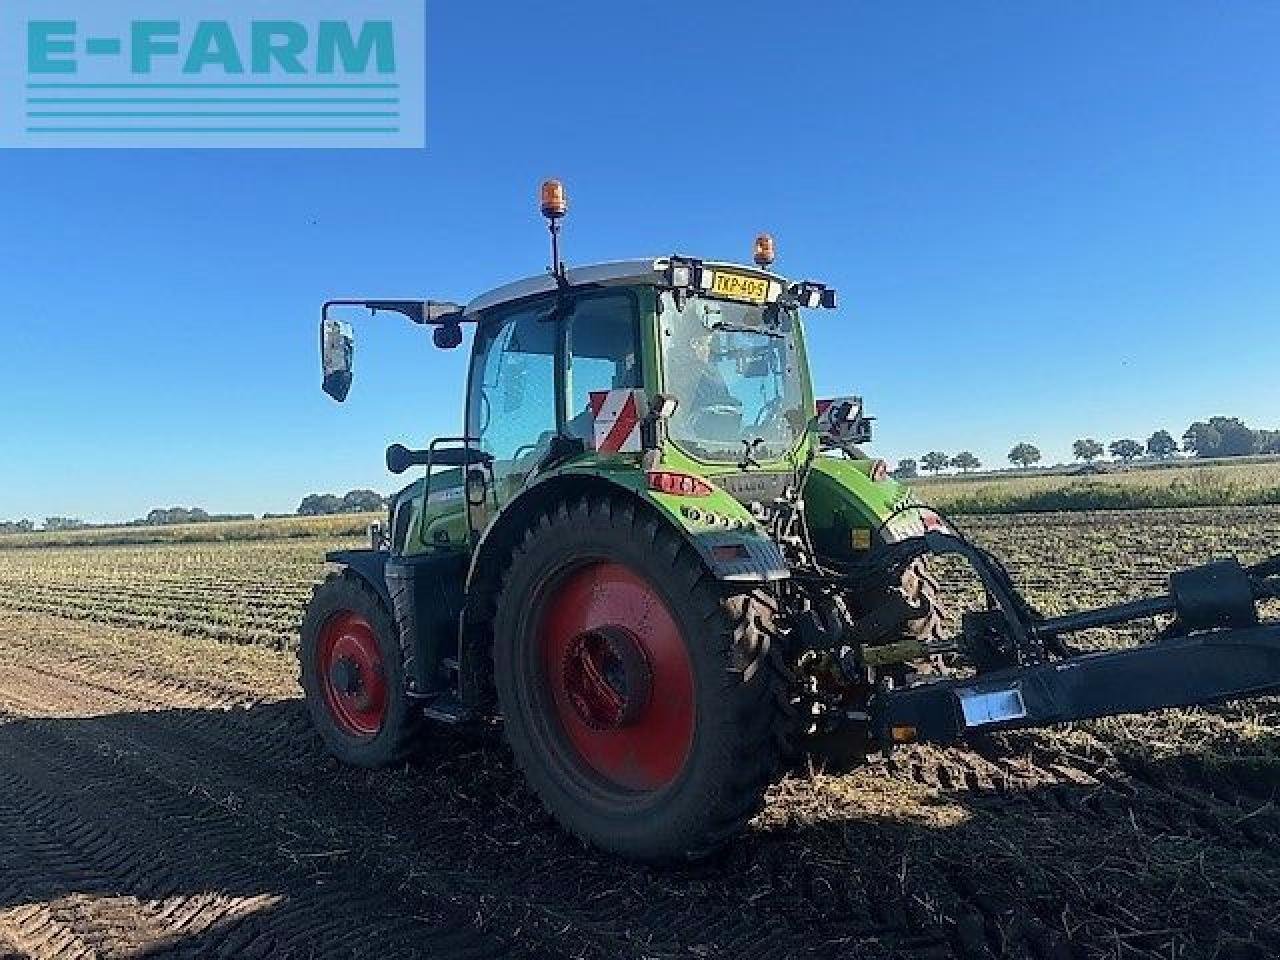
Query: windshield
x=736, y=372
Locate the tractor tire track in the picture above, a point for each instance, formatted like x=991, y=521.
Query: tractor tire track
x=101, y=831
x=239, y=770
x=165, y=797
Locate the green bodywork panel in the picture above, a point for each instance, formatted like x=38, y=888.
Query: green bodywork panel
x=840, y=496
x=444, y=525
x=845, y=507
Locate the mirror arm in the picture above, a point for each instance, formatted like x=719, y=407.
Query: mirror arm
x=419, y=311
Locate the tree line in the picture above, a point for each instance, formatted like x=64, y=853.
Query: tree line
x=315, y=504
x=1213, y=438
x=354, y=501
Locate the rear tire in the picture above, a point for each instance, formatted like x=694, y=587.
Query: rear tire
x=666, y=750
x=352, y=676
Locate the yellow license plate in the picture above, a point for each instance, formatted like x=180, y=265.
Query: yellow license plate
x=739, y=286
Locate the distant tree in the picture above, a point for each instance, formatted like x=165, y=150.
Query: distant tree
x=1087, y=450
x=907, y=469
x=1126, y=450
x=362, y=501
x=319, y=504
x=63, y=523
x=1201, y=439
x=1024, y=454
x=1268, y=441
x=1161, y=444
x=16, y=526
x=1220, y=437
x=1237, y=439
x=935, y=461
x=964, y=461
x=163, y=516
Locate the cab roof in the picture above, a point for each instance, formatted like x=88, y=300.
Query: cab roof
x=652, y=270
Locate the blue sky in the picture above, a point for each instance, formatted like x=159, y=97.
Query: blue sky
x=1046, y=220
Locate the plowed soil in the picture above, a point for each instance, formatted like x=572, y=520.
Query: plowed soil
x=161, y=795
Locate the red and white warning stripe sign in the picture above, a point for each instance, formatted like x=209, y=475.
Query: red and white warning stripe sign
x=616, y=419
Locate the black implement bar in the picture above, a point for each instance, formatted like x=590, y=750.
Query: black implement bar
x=1105, y=616
x=1180, y=672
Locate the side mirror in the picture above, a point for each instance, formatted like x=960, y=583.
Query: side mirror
x=337, y=348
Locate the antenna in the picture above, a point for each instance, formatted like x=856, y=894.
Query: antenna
x=554, y=207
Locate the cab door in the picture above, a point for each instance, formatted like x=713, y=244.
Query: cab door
x=534, y=368
x=602, y=353
x=513, y=408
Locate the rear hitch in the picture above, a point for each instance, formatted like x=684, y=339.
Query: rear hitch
x=1214, y=650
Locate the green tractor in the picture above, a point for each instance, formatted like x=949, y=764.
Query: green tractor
x=667, y=567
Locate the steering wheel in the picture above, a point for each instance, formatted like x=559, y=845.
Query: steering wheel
x=529, y=449
x=711, y=419
x=523, y=451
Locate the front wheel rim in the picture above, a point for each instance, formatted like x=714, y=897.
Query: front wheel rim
x=618, y=676
x=351, y=675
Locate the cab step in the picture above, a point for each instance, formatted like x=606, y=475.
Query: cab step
x=449, y=709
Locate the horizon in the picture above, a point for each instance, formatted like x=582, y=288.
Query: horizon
x=1178, y=459
x=1026, y=250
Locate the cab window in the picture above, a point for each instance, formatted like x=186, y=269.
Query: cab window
x=603, y=353
x=512, y=408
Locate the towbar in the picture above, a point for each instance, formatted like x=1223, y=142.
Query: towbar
x=1179, y=672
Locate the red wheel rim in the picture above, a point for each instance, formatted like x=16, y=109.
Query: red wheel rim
x=349, y=665
x=619, y=676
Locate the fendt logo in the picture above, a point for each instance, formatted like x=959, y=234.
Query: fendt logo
x=325, y=73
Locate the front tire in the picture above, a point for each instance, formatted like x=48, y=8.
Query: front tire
x=644, y=700
x=352, y=675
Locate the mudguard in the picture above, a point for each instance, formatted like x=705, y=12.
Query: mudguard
x=369, y=565
x=719, y=528
x=849, y=512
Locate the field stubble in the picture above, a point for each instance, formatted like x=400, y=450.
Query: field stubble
x=1151, y=837
x=1219, y=483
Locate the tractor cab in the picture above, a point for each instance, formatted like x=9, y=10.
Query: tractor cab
x=678, y=371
